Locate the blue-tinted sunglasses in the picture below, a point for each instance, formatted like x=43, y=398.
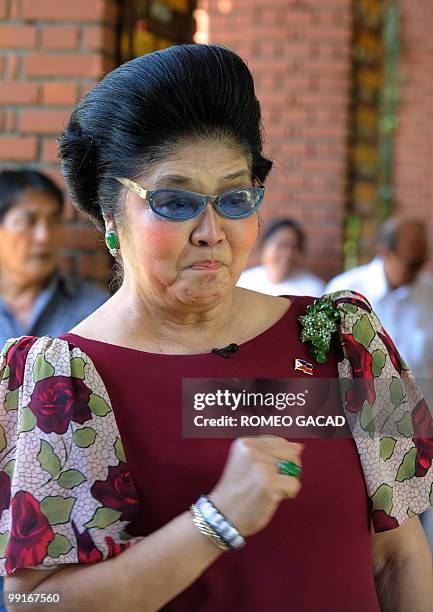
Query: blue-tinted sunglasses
x=179, y=205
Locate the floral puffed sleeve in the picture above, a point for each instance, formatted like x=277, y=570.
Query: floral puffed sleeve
x=66, y=494
x=389, y=418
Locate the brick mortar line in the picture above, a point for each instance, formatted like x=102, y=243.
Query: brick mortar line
x=36, y=107
x=50, y=53
x=41, y=23
x=54, y=79
x=24, y=53
x=81, y=38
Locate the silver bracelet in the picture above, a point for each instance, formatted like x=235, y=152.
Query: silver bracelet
x=219, y=523
x=206, y=529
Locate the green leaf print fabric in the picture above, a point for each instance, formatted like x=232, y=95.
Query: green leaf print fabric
x=66, y=494
x=388, y=416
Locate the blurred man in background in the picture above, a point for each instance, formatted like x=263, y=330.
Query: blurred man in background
x=399, y=290
x=283, y=246
x=35, y=297
x=401, y=293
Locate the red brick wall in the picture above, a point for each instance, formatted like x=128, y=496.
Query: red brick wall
x=299, y=53
x=51, y=53
x=414, y=140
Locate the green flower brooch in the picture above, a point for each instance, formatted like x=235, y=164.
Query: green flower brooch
x=319, y=323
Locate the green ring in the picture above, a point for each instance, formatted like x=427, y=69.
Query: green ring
x=288, y=468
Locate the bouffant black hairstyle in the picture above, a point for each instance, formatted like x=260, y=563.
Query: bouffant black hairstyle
x=14, y=182
x=139, y=113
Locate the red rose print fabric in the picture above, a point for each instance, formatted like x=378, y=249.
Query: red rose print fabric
x=30, y=534
x=388, y=416
x=118, y=491
x=393, y=353
x=17, y=356
x=5, y=491
x=382, y=521
x=58, y=400
x=62, y=500
x=87, y=551
x=361, y=361
x=66, y=492
x=423, y=439
x=113, y=548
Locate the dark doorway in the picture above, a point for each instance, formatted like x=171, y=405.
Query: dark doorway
x=149, y=25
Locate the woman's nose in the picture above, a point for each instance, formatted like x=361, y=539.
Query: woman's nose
x=208, y=230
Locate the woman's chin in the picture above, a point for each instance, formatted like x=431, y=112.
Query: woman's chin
x=204, y=294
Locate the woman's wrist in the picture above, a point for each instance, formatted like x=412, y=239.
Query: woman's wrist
x=213, y=524
x=206, y=529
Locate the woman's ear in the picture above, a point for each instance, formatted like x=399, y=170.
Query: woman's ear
x=110, y=224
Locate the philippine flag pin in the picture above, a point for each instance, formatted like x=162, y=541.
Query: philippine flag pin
x=303, y=366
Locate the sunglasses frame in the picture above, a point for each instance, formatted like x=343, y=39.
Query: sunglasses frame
x=148, y=195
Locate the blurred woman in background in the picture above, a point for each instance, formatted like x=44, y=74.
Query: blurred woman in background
x=282, y=272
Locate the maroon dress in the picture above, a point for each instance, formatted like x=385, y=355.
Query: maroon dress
x=315, y=554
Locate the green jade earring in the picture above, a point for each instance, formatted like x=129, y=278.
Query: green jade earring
x=112, y=242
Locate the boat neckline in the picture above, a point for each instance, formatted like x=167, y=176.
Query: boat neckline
x=288, y=313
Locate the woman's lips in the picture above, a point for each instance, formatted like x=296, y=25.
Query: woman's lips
x=206, y=265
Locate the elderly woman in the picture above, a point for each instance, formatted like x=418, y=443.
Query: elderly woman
x=99, y=489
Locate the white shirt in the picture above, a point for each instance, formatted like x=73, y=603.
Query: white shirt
x=406, y=313
x=301, y=282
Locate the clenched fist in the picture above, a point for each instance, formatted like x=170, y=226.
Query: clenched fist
x=251, y=487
